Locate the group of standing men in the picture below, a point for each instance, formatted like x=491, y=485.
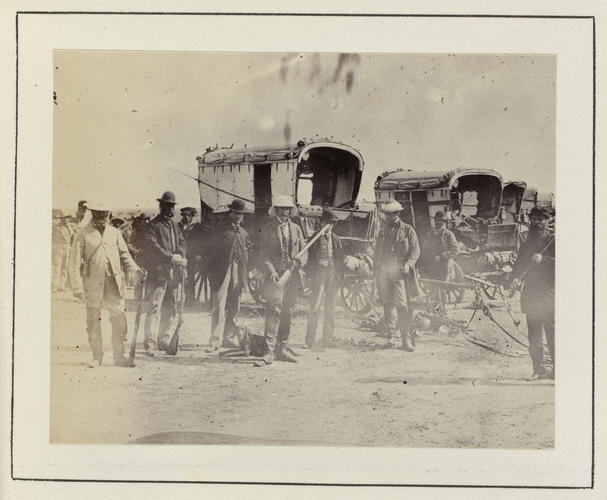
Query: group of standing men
x=99, y=256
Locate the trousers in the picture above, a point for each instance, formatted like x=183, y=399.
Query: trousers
x=226, y=305
x=280, y=303
x=60, y=266
x=540, y=323
x=323, y=285
x=114, y=303
x=161, y=311
x=391, y=315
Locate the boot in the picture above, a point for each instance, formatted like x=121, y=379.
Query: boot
x=97, y=360
x=408, y=344
x=265, y=360
x=283, y=353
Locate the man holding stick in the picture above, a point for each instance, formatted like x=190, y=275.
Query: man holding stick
x=164, y=256
x=282, y=255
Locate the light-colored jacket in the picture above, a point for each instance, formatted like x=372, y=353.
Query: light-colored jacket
x=90, y=252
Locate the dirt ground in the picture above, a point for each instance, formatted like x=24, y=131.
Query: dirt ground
x=448, y=393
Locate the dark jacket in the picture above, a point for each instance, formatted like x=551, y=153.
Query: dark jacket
x=538, y=288
x=270, y=251
x=338, y=255
x=397, y=244
x=441, y=243
x=160, y=245
x=226, y=244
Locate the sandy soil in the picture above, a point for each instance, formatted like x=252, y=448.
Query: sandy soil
x=448, y=393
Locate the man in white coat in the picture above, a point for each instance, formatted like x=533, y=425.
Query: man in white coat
x=97, y=279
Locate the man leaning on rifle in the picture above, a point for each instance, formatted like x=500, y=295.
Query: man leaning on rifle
x=164, y=256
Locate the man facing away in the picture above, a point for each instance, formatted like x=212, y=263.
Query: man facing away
x=165, y=261
x=281, y=241
x=396, y=253
x=98, y=253
x=325, y=258
x=228, y=273
x=534, y=266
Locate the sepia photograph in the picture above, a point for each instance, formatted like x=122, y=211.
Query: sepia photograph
x=334, y=249
x=316, y=248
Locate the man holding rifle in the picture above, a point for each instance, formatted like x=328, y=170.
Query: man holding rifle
x=164, y=256
x=535, y=267
x=282, y=255
x=98, y=255
x=326, y=259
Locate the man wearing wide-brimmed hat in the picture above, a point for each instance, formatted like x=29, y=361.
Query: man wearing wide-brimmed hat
x=165, y=260
x=325, y=260
x=396, y=253
x=281, y=241
x=228, y=257
x=98, y=256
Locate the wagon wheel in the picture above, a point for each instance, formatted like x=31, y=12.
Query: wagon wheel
x=455, y=295
x=355, y=295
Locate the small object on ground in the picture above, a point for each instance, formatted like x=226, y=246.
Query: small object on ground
x=212, y=348
x=162, y=346
x=264, y=360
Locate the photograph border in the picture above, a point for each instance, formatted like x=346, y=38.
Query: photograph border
x=285, y=14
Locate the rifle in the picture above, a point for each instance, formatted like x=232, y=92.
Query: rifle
x=131, y=361
x=287, y=274
x=173, y=346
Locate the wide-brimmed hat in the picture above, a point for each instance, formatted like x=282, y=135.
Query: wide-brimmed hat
x=97, y=206
x=167, y=197
x=329, y=215
x=117, y=221
x=237, y=206
x=221, y=209
x=283, y=201
x=190, y=210
x=57, y=213
x=391, y=207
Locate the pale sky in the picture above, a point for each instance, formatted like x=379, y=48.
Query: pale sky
x=124, y=119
